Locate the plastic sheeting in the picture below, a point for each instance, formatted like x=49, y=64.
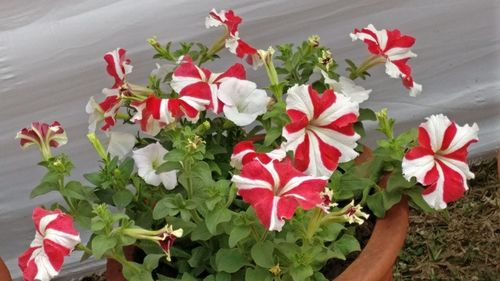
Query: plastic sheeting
x=51, y=63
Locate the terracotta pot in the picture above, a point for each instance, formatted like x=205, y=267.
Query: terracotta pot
x=377, y=258
x=114, y=268
x=4, y=272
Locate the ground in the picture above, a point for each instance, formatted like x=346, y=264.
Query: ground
x=462, y=243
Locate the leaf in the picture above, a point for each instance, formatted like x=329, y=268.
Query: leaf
x=237, y=234
x=397, y=181
x=175, y=155
x=347, y=244
x=201, y=233
x=217, y=217
x=168, y=166
x=271, y=135
x=93, y=178
x=165, y=207
x=102, y=243
x=151, y=261
x=127, y=167
x=229, y=260
x=366, y=114
x=376, y=204
x=301, y=273
x=122, y=198
x=262, y=254
x=201, y=175
x=199, y=256
x=43, y=188
x=391, y=198
x=74, y=189
x=258, y=273
x=415, y=195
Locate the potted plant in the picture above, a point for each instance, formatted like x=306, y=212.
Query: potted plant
x=229, y=180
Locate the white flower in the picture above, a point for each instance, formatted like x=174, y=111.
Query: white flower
x=120, y=144
x=243, y=102
x=348, y=88
x=148, y=159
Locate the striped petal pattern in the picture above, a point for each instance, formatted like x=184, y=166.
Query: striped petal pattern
x=226, y=18
x=43, y=135
x=321, y=132
x=276, y=189
x=55, y=238
x=244, y=152
x=118, y=66
x=200, y=84
x=395, y=48
x=440, y=160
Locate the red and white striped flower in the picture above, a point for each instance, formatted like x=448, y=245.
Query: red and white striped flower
x=394, y=48
x=44, y=136
x=321, y=132
x=118, y=66
x=440, y=160
x=55, y=238
x=244, y=152
x=200, y=85
x=154, y=113
x=276, y=189
x=226, y=18
x=243, y=50
x=104, y=111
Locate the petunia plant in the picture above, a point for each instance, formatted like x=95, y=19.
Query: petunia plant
x=227, y=179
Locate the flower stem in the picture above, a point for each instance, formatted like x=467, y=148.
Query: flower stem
x=314, y=223
x=370, y=62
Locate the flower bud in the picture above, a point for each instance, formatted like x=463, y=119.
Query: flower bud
x=313, y=41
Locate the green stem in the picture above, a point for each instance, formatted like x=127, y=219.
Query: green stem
x=367, y=64
x=314, y=223
x=121, y=259
x=81, y=247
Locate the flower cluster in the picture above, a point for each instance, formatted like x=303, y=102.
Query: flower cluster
x=250, y=179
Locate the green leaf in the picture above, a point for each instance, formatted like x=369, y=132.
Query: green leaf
x=127, y=167
x=201, y=175
x=74, y=189
x=93, y=178
x=301, y=272
x=43, y=188
x=367, y=114
x=217, y=217
x=165, y=207
x=175, y=155
x=257, y=274
x=229, y=260
x=391, y=198
x=151, y=261
x=101, y=244
x=347, y=244
x=262, y=254
x=397, y=181
x=168, y=166
x=122, y=198
x=376, y=204
x=271, y=135
x=199, y=256
x=237, y=234
x=415, y=195
x=201, y=233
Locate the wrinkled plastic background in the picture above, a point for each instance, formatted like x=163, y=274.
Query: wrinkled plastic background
x=51, y=63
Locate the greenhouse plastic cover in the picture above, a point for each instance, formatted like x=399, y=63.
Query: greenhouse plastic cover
x=51, y=63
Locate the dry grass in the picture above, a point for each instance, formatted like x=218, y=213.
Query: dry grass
x=462, y=243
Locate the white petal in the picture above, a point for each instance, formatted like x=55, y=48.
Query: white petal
x=435, y=199
x=246, y=183
x=45, y=270
x=180, y=82
x=418, y=167
x=342, y=106
x=348, y=88
x=234, y=91
x=120, y=144
x=64, y=239
x=392, y=70
x=169, y=179
x=144, y=159
x=464, y=135
x=239, y=118
x=436, y=126
x=298, y=99
x=344, y=143
x=416, y=89
x=275, y=223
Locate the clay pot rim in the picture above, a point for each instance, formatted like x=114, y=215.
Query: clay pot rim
x=4, y=272
x=376, y=260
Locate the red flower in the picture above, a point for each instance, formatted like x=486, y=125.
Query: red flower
x=243, y=50
x=55, y=238
x=395, y=48
x=276, y=189
x=440, y=160
x=321, y=132
x=244, y=152
x=200, y=85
